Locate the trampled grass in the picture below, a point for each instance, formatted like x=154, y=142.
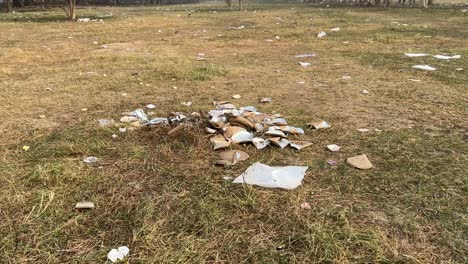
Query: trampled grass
x=162, y=195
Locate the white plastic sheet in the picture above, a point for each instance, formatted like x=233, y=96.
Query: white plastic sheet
x=412, y=55
x=424, y=67
x=288, y=177
x=447, y=57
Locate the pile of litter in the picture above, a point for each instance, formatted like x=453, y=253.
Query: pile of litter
x=232, y=125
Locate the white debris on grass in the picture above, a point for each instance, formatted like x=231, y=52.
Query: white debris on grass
x=90, y=160
x=413, y=55
x=288, y=177
x=321, y=34
x=118, y=254
x=333, y=147
x=424, y=67
x=335, y=29
x=446, y=57
x=306, y=55
x=304, y=64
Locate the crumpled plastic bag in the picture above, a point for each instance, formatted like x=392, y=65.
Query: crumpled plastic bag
x=288, y=177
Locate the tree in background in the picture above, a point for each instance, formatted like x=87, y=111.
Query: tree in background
x=70, y=9
x=7, y=4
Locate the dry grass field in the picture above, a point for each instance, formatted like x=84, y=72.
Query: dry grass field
x=162, y=195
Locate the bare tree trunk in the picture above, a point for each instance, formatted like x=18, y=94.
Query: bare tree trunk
x=229, y=3
x=240, y=4
x=8, y=6
x=423, y=3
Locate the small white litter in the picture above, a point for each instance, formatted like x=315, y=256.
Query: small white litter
x=424, y=67
x=346, y=77
x=365, y=91
x=150, y=106
x=333, y=147
x=186, y=103
x=335, y=29
x=118, y=254
x=260, y=143
x=122, y=129
x=446, y=57
x=84, y=205
x=289, y=177
x=363, y=130
x=237, y=96
x=90, y=160
x=306, y=55
x=319, y=125
x=304, y=64
x=414, y=80
x=412, y=55
x=321, y=34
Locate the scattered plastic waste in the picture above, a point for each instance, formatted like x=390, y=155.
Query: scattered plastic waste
x=231, y=157
x=306, y=55
x=114, y=136
x=424, y=67
x=363, y=130
x=412, y=55
x=335, y=29
x=106, y=122
x=279, y=142
x=414, y=80
x=260, y=143
x=90, y=160
x=26, y=148
x=319, y=125
x=84, y=109
x=446, y=57
x=124, y=94
x=237, y=96
x=300, y=144
x=118, y=254
x=42, y=116
x=219, y=141
x=289, y=177
x=265, y=100
x=365, y=91
x=84, y=205
x=122, y=129
x=333, y=147
x=186, y=103
x=321, y=34
x=239, y=27
x=304, y=64
x=128, y=119
x=87, y=19
x=150, y=106
x=346, y=77
x=360, y=162
x=305, y=206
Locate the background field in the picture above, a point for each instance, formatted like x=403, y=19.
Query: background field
x=163, y=197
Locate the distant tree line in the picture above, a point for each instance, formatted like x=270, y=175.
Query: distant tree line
x=377, y=3
x=44, y=3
